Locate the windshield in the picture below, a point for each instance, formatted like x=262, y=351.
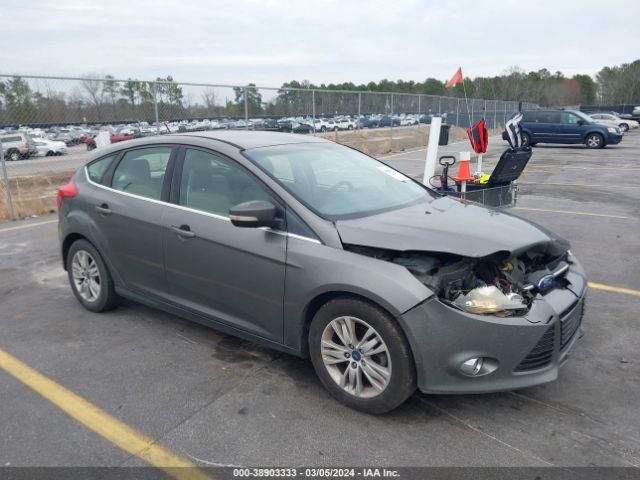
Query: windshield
x=337, y=182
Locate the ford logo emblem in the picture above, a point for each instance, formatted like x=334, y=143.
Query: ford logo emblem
x=546, y=282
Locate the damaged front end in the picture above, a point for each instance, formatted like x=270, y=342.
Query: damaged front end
x=501, y=284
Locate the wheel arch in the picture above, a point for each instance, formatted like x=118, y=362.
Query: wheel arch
x=321, y=299
x=598, y=132
x=69, y=240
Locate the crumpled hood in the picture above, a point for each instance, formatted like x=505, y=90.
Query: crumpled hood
x=448, y=225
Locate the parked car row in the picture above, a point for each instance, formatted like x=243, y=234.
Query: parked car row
x=25, y=142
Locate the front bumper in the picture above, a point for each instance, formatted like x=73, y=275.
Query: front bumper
x=614, y=138
x=527, y=350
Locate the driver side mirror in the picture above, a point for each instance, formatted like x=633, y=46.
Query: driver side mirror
x=254, y=214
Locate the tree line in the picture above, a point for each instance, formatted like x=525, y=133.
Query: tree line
x=103, y=98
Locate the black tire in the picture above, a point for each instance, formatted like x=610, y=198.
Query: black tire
x=594, y=140
x=335, y=129
x=107, y=298
x=350, y=127
x=13, y=155
x=402, y=382
x=526, y=139
x=50, y=153
x=323, y=129
x=624, y=127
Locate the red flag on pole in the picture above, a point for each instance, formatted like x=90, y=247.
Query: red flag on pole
x=456, y=79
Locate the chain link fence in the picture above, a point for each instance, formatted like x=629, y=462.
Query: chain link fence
x=48, y=124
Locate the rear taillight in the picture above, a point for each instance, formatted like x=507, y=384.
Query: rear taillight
x=69, y=190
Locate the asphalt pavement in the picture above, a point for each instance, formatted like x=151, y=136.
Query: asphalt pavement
x=217, y=400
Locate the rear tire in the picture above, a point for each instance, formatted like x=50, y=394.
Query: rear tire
x=624, y=127
x=89, y=278
x=387, y=360
x=594, y=140
x=13, y=155
x=526, y=139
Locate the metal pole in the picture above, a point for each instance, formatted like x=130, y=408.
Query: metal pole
x=504, y=121
x=432, y=150
x=419, y=101
x=440, y=105
x=458, y=114
x=359, y=103
x=155, y=107
x=6, y=183
x=313, y=109
x=495, y=114
x=391, y=124
x=471, y=117
x=246, y=108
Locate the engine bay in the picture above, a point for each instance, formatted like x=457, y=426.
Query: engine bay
x=501, y=284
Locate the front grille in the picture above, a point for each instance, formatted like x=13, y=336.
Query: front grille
x=570, y=320
x=541, y=355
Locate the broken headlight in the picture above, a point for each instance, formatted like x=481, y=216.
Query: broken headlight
x=489, y=299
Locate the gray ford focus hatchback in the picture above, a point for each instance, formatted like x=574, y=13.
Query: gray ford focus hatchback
x=320, y=251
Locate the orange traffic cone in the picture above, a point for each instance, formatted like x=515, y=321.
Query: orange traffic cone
x=464, y=171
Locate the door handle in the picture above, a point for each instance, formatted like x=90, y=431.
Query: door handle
x=183, y=231
x=103, y=209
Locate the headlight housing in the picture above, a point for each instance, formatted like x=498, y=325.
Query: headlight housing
x=612, y=130
x=489, y=299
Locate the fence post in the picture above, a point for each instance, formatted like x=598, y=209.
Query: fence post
x=155, y=108
x=313, y=109
x=495, y=114
x=419, y=102
x=504, y=121
x=246, y=108
x=458, y=113
x=6, y=183
x=391, y=125
x=472, y=102
x=439, y=105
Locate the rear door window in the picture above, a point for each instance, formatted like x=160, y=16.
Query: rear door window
x=548, y=117
x=141, y=172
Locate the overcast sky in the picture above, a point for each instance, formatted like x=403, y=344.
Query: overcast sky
x=270, y=42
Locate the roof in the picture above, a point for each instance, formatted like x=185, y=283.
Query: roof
x=247, y=139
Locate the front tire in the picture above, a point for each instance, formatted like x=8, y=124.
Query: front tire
x=89, y=278
x=526, y=139
x=361, y=355
x=594, y=140
x=624, y=127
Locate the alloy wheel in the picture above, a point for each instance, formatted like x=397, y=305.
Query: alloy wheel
x=356, y=356
x=86, y=276
x=594, y=141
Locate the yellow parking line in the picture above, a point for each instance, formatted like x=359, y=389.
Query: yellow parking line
x=28, y=225
x=571, y=212
x=92, y=417
x=610, y=288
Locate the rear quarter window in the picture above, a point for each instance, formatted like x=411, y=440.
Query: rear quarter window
x=96, y=169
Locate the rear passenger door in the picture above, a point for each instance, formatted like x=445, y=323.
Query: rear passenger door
x=230, y=274
x=127, y=215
